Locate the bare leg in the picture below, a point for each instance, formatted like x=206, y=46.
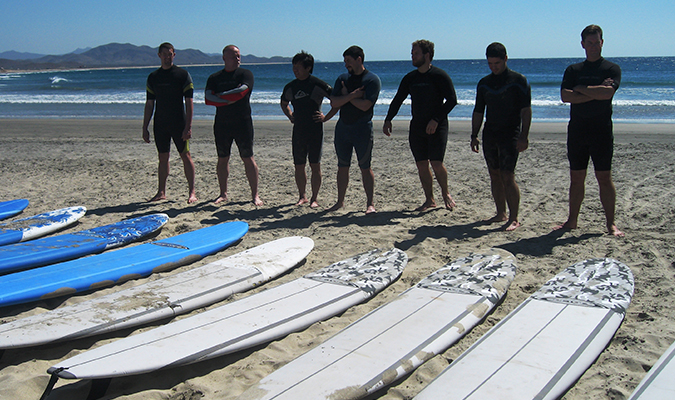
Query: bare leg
x=223, y=172
x=252, y=175
x=442, y=179
x=427, y=181
x=608, y=200
x=368, y=178
x=301, y=183
x=190, y=175
x=512, y=192
x=577, y=191
x=498, y=194
x=316, y=184
x=162, y=175
x=342, y=183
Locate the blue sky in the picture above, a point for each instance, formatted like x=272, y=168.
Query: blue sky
x=385, y=29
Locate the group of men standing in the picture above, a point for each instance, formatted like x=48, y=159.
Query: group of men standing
x=503, y=99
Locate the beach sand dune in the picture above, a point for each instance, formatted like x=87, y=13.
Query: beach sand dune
x=105, y=166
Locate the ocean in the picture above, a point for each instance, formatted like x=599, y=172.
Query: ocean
x=646, y=95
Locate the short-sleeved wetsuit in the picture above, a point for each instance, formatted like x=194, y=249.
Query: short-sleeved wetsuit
x=233, y=121
x=168, y=87
x=354, y=129
x=433, y=97
x=306, y=96
x=589, y=132
x=504, y=96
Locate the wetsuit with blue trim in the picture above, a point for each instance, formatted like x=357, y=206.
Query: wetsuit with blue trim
x=354, y=129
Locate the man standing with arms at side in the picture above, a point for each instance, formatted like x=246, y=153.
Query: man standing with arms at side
x=355, y=94
x=589, y=87
x=433, y=97
x=230, y=91
x=506, y=95
x=168, y=86
x=306, y=93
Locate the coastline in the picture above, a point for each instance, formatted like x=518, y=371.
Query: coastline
x=105, y=166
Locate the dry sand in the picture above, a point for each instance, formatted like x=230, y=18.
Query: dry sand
x=105, y=166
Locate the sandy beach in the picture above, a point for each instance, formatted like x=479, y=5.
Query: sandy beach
x=105, y=166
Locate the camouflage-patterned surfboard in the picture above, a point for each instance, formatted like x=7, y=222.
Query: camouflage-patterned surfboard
x=540, y=349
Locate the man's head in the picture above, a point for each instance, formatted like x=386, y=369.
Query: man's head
x=591, y=41
x=303, y=65
x=231, y=57
x=354, y=58
x=422, y=52
x=496, y=57
x=166, y=54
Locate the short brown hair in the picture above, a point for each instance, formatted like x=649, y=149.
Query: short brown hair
x=165, y=45
x=591, y=30
x=426, y=46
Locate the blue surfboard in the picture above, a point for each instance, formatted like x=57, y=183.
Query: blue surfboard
x=30, y=228
x=54, y=249
x=12, y=207
x=117, y=266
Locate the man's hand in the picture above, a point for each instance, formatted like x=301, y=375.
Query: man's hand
x=386, y=128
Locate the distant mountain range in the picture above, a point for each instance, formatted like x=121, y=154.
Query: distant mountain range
x=116, y=55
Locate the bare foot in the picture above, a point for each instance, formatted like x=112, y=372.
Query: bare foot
x=192, y=198
x=427, y=205
x=221, y=199
x=370, y=210
x=314, y=204
x=336, y=207
x=566, y=226
x=159, y=196
x=511, y=226
x=257, y=201
x=613, y=230
x=303, y=200
x=449, y=202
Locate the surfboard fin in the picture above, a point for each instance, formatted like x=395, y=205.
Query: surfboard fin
x=52, y=381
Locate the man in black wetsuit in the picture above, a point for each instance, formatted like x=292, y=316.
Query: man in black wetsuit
x=433, y=97
x=355, y=94
x=306, y=94
x=168, y=86
x=230, y=91
x=506, y=95
x=589, y=87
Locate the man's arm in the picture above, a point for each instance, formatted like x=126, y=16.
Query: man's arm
x=226, y=98
x=330, y=114
x=189, y=115
x=525, y=121
x=449, y=95
x=582, y=94
x=605, y=91
x=286, y=108
x=395, y=105
x=339, y=101
x=147, y=116
x=476, y=123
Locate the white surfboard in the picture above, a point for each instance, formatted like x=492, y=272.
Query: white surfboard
x=540, y=349
x=393, y=340
x=38, y=225
x=244, y=323
x=659, y=383
x=159, y=299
